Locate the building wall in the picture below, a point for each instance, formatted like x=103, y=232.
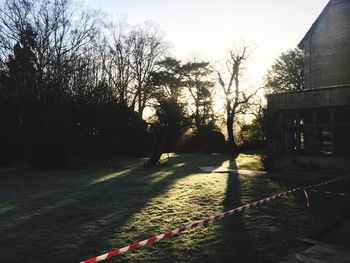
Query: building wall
x=317, y=98
x=316, y=122
x=327, y=48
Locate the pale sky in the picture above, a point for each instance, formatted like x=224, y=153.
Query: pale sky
x=209, y=28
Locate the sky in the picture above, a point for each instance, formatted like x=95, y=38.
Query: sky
x=207, y=29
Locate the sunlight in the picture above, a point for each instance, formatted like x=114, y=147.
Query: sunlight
x=178, y=165
x=110, y=176
x=191, y=198
x=225, y=163
x=22, y=217
x=6, y=207
x=158, y=176
x=165, y=155
x=15, y=168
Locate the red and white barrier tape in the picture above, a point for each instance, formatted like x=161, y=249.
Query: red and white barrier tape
x=326, y=192
x=306, y=198
x=204, y=222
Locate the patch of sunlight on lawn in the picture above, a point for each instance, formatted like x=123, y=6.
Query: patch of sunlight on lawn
x=249, y=162
x=10, y=222
x=42, y=194
x=6, y=207
x=171, y=155
x=226, y=164
x=54, y=216
x=159, y=176
x=178, y=165
x=12, y=169
x=110, y=176
x=166, y=157
x=246, y=162
x=192, y=198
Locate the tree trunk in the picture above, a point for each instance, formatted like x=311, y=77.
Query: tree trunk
x=197, y=119
x=139, y=99
x=231, y=137
x=157, y=148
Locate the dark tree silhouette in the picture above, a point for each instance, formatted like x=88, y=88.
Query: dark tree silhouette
x=22, y=68
x=197, y=77
x=18, y=89
x=147, y=48
x=170, y=124
x=71, y=87
x=237, y=100
x=117, y=63
x=287, y=73
x=168, y=79
x=53, y=85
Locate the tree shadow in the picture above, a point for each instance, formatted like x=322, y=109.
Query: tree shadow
x=276, y=226
x=325, y=211
x=237, y=244
x=67, y=218
x=272, y=224
x=228, y=240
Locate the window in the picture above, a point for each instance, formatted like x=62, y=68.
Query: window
x=310, y=130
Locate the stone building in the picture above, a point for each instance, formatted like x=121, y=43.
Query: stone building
x=315, y=123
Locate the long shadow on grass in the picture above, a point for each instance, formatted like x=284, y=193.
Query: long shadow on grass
x=301, y=221
x=277, y=225
x=236, y=243
x=233, y=241
x=273, y=224
x=70, y=219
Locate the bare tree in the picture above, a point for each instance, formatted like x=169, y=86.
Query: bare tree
x=117, y=62
x=49, y=41
x=237, y=100
x=13, y=20
x=147, y=48
x=64, y=37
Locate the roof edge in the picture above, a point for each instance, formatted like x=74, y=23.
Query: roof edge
x=314, y=24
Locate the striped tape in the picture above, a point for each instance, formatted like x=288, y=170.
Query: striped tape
x=306, y=198
x=326, y=192
x=204, y=222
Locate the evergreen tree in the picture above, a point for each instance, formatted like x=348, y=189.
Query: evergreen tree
x=287, y=73
x=21, y=68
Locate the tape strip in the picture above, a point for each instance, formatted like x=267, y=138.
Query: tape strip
x=306, y=198
x=204, y=222
x=326, y=192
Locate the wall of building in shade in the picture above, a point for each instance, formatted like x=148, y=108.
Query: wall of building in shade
x=317, y=131
x=316, y=98
x=316, y=121
x=313, y=121
x=327, y=47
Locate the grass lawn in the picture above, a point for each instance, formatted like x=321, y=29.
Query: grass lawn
x=69, y=215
